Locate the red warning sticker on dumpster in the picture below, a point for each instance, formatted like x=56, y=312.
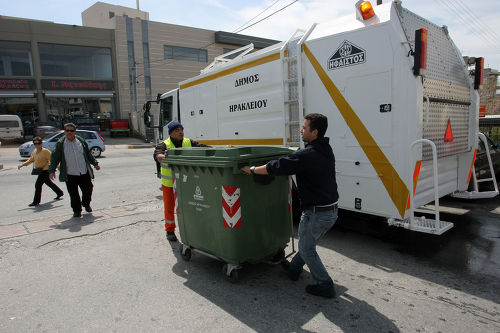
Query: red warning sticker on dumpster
x=231, y=207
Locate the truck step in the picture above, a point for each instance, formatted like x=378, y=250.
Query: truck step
x=474, y=194
x=422, y=224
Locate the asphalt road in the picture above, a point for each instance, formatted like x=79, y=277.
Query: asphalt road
x=113, y=270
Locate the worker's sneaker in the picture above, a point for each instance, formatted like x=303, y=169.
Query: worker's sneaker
x=316, y=290
x=293, y=275
x=171, y=236
x=33, y=204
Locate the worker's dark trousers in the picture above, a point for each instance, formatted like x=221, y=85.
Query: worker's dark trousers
x=86, y=186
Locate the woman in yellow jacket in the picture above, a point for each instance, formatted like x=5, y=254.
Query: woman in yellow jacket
x=41, y=157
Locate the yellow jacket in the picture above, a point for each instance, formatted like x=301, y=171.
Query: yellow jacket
x=41, y=159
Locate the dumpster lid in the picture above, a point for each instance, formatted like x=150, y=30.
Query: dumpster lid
x=223, y=156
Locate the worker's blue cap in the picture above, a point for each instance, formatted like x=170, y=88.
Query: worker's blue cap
x=173, y=125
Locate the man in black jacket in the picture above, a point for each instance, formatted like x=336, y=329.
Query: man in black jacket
x=314, y=167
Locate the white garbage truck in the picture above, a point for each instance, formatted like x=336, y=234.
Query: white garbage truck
x=401, y=104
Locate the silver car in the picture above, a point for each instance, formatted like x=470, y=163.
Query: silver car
x=93, y=139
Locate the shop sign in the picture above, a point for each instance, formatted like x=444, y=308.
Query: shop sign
x=19, y=84
x=77, y=84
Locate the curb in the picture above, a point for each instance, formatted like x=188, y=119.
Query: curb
x=141, y=146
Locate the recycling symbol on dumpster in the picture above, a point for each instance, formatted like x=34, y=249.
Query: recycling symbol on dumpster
x=197, y=194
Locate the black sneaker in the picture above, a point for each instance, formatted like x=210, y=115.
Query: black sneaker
x=88, y=209
x=59, y=196
x=171, y=236
x=316, y=290
x=33, y=204
x=293, y=275
x=77, y=214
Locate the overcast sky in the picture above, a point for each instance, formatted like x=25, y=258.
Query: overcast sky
x=473, y=25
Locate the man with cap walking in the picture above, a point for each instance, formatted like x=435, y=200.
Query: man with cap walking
x=176, y=139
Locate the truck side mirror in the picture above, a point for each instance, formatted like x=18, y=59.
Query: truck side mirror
x=148, y=119
x=147, y=106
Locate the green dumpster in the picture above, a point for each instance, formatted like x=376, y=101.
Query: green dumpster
x=225, y=214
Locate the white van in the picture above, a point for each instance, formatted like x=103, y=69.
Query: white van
x=11, y=127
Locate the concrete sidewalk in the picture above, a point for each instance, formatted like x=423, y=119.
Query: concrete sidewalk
x=110, y=217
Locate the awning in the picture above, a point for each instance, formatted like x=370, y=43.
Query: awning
x=17, y=94
x=73, y=93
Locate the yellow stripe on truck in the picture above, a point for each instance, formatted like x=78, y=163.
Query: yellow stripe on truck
x=250, y=64
x=243, y=142
x=393, y=183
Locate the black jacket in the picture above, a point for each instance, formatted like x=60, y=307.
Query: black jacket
x=314, y=167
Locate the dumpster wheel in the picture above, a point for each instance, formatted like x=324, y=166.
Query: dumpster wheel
x=185, y=252
x=231, y=272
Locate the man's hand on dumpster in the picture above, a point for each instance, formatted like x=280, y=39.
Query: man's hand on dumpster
x=160, y=157
x=246, y=169
x=260, y=170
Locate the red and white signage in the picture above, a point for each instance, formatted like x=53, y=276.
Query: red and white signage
x=231, y=207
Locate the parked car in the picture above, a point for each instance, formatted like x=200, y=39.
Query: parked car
x=481, y=165
x=87, y=123
x=93, y=139
x=45, y=130
x=11, y=127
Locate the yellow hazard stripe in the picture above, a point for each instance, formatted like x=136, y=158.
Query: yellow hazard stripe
x=250, y=64
x=243, y=142
x=393, y=183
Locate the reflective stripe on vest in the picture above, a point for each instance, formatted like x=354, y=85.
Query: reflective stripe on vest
x=166, y=172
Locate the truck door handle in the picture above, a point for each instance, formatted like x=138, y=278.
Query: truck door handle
x=201, y=111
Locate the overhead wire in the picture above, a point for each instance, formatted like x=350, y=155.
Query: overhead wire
x=236, y=31
x=479, y=23
x=475, y=28
x=253, y=18
x=279, y=10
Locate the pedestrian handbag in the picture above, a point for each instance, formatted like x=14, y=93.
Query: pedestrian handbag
x=37, y=171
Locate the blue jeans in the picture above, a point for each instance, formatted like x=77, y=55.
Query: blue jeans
x=312, y=228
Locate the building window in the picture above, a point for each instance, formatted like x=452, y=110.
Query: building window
x=15, y=59
x=111, y=14
x=132, y=70
x=145, y=57
x=81, y=111
x=75, y=61
x=185, y=53
x=147, y=70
